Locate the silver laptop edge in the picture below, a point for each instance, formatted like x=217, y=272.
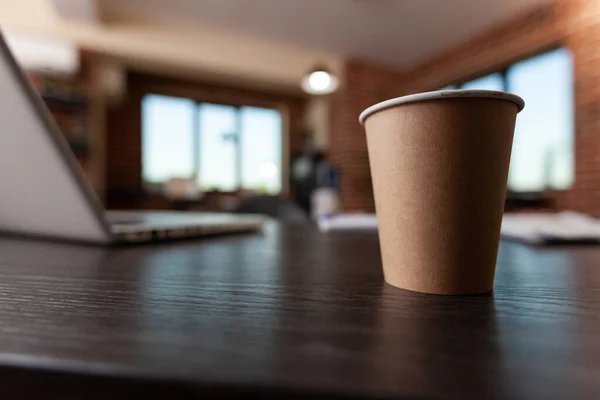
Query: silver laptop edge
x=101, y=232
x=43, y=191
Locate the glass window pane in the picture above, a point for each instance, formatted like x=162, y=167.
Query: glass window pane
x=261, y=149
x=167, y=129
x=217, y=147
x=542, y=153
x=488, y=82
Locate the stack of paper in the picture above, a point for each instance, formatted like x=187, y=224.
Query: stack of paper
x=535, y=228
x=546, y=228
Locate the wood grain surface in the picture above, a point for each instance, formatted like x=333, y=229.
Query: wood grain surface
x=293, y=312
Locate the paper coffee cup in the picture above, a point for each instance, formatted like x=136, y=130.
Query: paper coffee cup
x=439, y=165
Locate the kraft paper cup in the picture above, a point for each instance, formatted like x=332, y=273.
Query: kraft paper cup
x=439, y=165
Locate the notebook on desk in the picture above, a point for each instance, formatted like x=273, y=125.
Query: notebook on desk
x=532, y=228
x=43, y=191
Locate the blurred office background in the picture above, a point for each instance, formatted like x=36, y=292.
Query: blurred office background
x=200, y=104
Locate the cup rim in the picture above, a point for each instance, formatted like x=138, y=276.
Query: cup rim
x=441, y=94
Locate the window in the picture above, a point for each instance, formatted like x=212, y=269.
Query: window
x=543, y=146
x=167, y=136
x=222, y=147
x=217, y=147
x=542, y=155
x=489, y=82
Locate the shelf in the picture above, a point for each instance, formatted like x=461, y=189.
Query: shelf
x=69, y=102
x=79, y=147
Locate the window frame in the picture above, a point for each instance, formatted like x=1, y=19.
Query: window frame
x=237, y=106
x=124, y=120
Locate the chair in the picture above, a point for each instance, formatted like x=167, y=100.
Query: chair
x=273, y=206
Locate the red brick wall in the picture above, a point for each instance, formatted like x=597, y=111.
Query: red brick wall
x=581, y=29
x=365, y=85
x=572, y=23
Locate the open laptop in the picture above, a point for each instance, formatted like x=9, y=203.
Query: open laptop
x=43, y=191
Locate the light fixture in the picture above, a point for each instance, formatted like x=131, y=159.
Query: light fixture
x=319, y=81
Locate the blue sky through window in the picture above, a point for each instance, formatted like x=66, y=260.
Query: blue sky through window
x=167, y=137
x=217, y=147
x=489, y=82
x=225, y=147
x=542, y=155
x=261, y=141
x=543, y=146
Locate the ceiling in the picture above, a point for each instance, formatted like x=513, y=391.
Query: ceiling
x=399, y=33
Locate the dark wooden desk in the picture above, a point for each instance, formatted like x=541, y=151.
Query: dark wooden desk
x=292, y=312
